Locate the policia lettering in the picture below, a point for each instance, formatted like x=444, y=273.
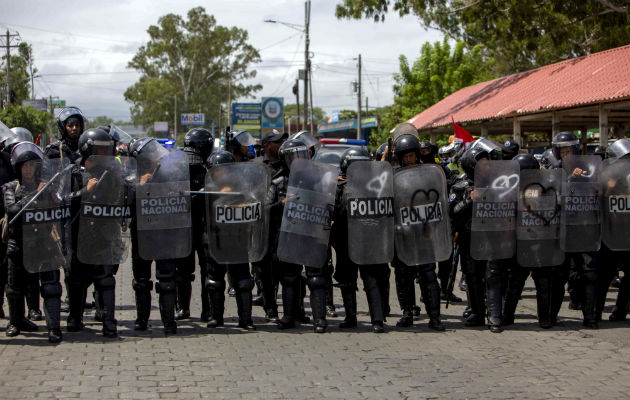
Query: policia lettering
x=106, y=211
x=165, y=205
x=308, y=213
x=619, y=204
x=421, y=214
x=237, y=214
x=371, y=208
x=52, y=214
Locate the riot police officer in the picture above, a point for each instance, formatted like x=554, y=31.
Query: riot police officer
x=198, y=145
x=510, y=149
x=238, y=143
x=6, y=175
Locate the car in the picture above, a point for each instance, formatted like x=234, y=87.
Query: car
x=331, y=150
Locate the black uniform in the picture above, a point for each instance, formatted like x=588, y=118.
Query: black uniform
x=6, y=175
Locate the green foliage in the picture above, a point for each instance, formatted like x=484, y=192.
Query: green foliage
x=193, y=60
x=103, y=120
x=436, y=74
x=517, y=34
x=20, y=78
x=290, y=110
x=36, y=121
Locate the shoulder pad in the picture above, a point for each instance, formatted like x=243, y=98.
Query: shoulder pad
x=460, y=185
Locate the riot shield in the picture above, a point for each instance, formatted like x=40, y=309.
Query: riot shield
x=493, y=229
x=307, y=214
x=614, y=180
x=580, y=217
x=105, y=209
x=538, y=219
x=163, y=218
x=237, y=213
x=368, y=198
x=46, y=237
x=421, y=212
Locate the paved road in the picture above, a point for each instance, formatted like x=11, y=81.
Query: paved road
x=524, y=362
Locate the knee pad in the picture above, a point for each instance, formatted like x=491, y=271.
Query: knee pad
x=245, y=284
x=290, y=280
x=165, y=287
x=590, y=276
x=142, y=285
x=49, y=290
x=107, y=282
x=185, y=277
x=219, y=286
x=10, y=292
x=316, y=281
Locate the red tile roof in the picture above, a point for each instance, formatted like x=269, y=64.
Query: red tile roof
x=590, y=79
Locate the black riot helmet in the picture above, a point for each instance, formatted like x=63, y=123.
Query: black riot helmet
x=564, y=140
x=380, y=151
x=19, y=135
x=510, y=149
x=405, y=128
x=291, y=150
x=351, y=155
x=428, y=152
x=220, y=157
x=619, y=148
x=23, y=152
x=548, y=160
x=236, y=140
x=67, y=115
x=527, y=161
x=198, y=144
x=469, y=160
x=493, y=150
x=147, y=152
x=96, y=141
x=307, y=138
x=405, y=144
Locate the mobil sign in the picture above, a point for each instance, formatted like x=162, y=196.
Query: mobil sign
x=193, y=119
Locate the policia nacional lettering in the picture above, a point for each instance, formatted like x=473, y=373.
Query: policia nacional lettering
x=495, y=210
x=619, y=204
x=371, y=207
x=237, y=214
x=581, y=203
x=164, y=205
x=308, y=213
x=48, y=215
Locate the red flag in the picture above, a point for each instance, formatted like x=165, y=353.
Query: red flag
x=38, y=137
x=462, y=133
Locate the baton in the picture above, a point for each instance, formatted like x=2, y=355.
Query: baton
x=209, y=193
x=451, y=278
x=38, y=193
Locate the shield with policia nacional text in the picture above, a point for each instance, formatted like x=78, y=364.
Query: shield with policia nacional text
x=422, y=233
x=105, y=211
x=538, y=218
x=493, y=229
x=237, y=212
x=369, y=198
x=580, y=218
x=46, y=237
x=614, y=181
x=163, y=218
x=308, y=210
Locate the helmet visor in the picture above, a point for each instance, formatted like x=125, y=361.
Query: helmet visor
x=293, y=153
x=494, y=151
x=119, y=135
x=26, y=151
x=619, y=148
x=244, y=138
x=307, y=139
x=5, y=132
x=68, y=112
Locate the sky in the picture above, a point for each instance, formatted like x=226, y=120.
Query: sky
x=81, y=48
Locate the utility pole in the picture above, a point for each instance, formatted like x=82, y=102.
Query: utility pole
x=30, y=66
x=296, y=92
x=8, y=45
x=359, y=101
x=175, y=119
x=367, y=109
x=310, y=87
x=52, y=112
x=307, y=63
x=229, y=105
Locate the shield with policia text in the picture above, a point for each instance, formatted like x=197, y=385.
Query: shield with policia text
x=237, y=213
x=422, y=233
x=307, y=214
x=105, y=209
x=493, y=229
x=46, y=238
x=580, y=217
x=163, y=205
x=369, y=197
x=538, y=218
x=614, y=181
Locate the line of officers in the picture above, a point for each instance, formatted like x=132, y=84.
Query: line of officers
x=79, y=203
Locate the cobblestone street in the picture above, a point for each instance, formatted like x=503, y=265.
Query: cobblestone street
x=523, y=362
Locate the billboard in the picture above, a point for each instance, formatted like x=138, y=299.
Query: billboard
x=40, y=104
x=245, y=116
x=193, y=119
x=272, y=110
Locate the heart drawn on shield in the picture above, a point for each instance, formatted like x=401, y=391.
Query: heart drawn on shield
x=539, y=214
x=507, y=182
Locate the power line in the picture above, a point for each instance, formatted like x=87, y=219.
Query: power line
x=71, y=34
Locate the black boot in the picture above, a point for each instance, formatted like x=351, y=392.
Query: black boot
x=494, y=281
x=244, y=304
x=349, y=295
x=620, y=311
x=184, y=291
x=317, y=288
x=216, y=301
x=16, y=312
x=142, y=290
x=405, y=292
x=52, y=309
x=290, y=304
x=431, y=296
x=330, y=304
x=107, y=298
x=76, y=305
x=589, y=309
x=516, y=282
x=32, y=298
x=542, y=279
x=375, y=302
x=476, y=294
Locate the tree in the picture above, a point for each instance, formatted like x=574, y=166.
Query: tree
x=290, y=110
x=518, y=34
x=194, y=62
x=437, y=73
x=20, y=73
x=36, y=121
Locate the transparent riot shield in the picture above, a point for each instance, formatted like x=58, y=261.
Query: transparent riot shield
x=46, y=237
x=237, y=212
x=580, y=217
x=307, y=214
x=421, y=211
x=493, y=229
x=369, y=198
x=614, y=180
x=538, y=218
x=105, y=209
x=163, y=218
